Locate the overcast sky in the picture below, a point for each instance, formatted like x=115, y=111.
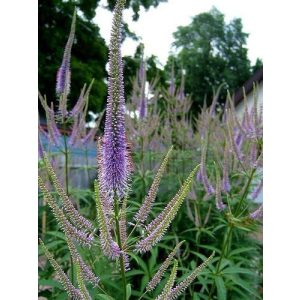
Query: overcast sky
x=155, y=26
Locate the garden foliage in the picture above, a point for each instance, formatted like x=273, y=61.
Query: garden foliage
x=171, y=212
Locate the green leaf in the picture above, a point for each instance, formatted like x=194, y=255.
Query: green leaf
x=221, y=290
x=241, y=250
x=50, y=282
x=236, y=270
x=244, y=285
x=128, y=291
x=57, y=234
x=104, y=297
x=50, y=246
x=134, y=272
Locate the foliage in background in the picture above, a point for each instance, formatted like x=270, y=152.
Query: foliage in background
x=89, y=52
x=211, y=52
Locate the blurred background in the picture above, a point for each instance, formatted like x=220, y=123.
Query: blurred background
x=211, y=42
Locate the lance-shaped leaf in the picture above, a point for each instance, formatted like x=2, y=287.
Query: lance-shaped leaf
x=77, y=219
x=81, y=236
x=109, y=247
x=158, y=275
x=73, y=292
x=145, y=209
x=181, y=287
x=160, y=224
x=167, y=289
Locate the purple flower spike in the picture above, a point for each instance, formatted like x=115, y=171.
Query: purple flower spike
x=64, y=73
x=207, y=185
x=199, y=176
x=41, y=154
x=257, y=190
x=226, y=182
x=116, y=163
x=181, y=95
x=219, y=203
x=63, y=79
x=143, y=109
x=257, y=214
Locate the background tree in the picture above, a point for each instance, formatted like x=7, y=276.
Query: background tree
x=89, y=52
x=211, y=52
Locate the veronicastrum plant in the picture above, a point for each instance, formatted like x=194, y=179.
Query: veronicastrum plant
x=113, y=236
x=66, y=129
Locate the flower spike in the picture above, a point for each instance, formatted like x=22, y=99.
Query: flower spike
x=145, y=209
x=157, y=228
x=116, y=164
x=165, y=295
x=63, y=74
x=157, y=277
x=181, y=287
x=73, y=292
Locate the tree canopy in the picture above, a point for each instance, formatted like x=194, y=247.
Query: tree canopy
x=89, y=52
x=211, y=52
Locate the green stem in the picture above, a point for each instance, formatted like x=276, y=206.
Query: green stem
x=118, y=234
x=142, y=164
x=227, y=237
x=143, y=295
x=66, y=160
x=66, y=154
x=245, y=191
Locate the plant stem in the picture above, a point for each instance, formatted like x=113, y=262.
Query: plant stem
x=143, y=295
x=87, y=163
x=66, y=159
x=245, y=191
x=142, y=164
x=66, y=154
x=122, y=269
x=228, y=234
x=226, y=239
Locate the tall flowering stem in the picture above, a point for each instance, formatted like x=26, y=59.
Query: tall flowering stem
x=157, y=228
x=119, y=241
x=72, y=292
x=116, y=163
x=145, y=209
x=158, y=275
x=63, y=78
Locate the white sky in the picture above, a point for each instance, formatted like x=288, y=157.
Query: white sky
x=156, y=25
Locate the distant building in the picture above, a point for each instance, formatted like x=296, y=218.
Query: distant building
x=257, y=79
